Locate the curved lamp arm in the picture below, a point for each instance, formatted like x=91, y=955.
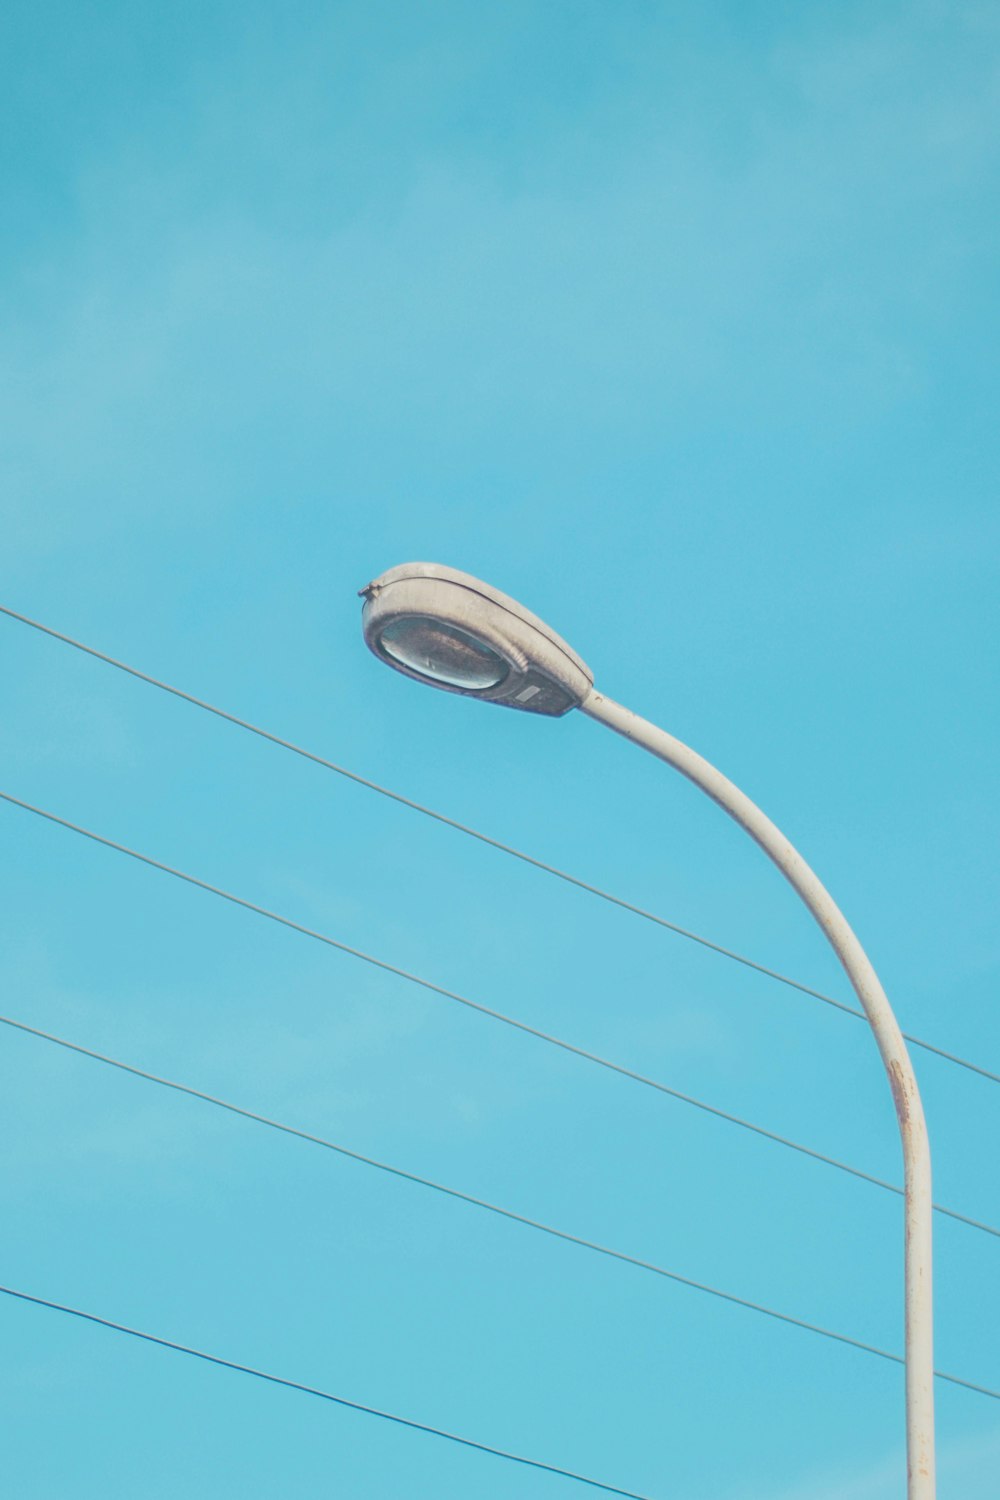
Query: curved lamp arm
x=452, y=631
x=909, y=1110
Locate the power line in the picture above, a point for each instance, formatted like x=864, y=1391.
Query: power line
x=484, y=838
x=485, y=1010
x=886, y=1354
x=469, y=1198
x=312, y=1390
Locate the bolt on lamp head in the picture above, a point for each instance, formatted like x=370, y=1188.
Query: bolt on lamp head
x=447, y=629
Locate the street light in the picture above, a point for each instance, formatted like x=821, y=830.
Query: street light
x=445, y=628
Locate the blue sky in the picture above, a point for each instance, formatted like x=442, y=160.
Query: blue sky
x=678, y=322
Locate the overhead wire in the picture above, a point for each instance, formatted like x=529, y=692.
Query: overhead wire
x=473, y=1201
x=757, y=1307
x=487, y=839
x=429, y=1183
x=536, y=1032
x=313, y=1390
x=479, y=1007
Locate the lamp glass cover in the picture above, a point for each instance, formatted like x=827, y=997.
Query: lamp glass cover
x=442, y=653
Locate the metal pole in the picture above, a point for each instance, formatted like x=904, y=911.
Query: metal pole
x=909, y=1110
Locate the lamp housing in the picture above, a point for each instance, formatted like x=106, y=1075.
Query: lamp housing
x=451, y=631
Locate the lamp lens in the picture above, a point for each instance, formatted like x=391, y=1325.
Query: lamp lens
x=442, y=653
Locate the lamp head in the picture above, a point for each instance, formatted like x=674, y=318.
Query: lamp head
x=449, y=630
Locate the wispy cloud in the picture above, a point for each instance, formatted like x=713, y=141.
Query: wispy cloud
x=810, y=237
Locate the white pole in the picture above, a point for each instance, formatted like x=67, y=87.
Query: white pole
x=909, y=1110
